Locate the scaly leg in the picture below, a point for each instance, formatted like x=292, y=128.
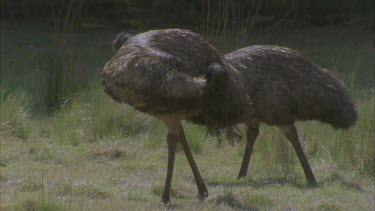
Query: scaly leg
x=291, y=133
x=172, y=142
x=176, y=134
x=251, y=135
x=202, y=190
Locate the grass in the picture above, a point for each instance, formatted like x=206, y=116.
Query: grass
x=94, y=154
x=14, y=121
x=127, y=171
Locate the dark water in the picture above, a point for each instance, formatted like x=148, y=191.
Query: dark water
x=29, y=50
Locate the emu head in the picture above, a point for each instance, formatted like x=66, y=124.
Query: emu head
x=230, y=97
x=119, y=41
x=216, y=74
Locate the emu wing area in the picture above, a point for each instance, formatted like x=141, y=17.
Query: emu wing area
x=286, y=87
x=163, y=72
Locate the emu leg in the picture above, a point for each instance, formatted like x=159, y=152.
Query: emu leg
x=251, y=135
x=291, y=133
x=202, y=190
x=172, y=142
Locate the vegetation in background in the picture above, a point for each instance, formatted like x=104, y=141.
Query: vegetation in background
x=61, y=69
x=187, y=12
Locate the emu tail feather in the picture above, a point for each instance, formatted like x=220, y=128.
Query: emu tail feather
x=339, y=109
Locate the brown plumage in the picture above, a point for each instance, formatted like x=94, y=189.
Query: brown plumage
x=286, y=87
x=175, y=75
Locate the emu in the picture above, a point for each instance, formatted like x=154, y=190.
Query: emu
x=286, y=87
x=176, y=75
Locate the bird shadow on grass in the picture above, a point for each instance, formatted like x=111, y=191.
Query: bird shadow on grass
x=286, y=181
x=260, y=183
x=336, y=178
x=179, y=192
x=231, y=202
x=254, y=202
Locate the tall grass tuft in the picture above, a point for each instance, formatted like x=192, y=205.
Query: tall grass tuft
x=62, y=69
x=111, y=118
x=64, y=74
x=93, y=116
x=237, y=22
x=224, y=19
x=15, y=120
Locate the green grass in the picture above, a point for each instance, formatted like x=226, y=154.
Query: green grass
x=121, y=170
x=95, y=154
x=15, y=117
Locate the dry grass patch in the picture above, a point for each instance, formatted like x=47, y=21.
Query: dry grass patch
x=108, y=154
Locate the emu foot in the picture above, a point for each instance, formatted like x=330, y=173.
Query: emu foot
x=202, y=196
x=242, y=174
x=312, y=183
x=165, y=201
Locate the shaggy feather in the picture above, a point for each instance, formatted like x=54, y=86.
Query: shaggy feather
x=286, y=87
x=165, y=72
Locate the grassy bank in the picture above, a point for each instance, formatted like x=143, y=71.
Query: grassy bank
x=90, y=153
x=96, y=154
